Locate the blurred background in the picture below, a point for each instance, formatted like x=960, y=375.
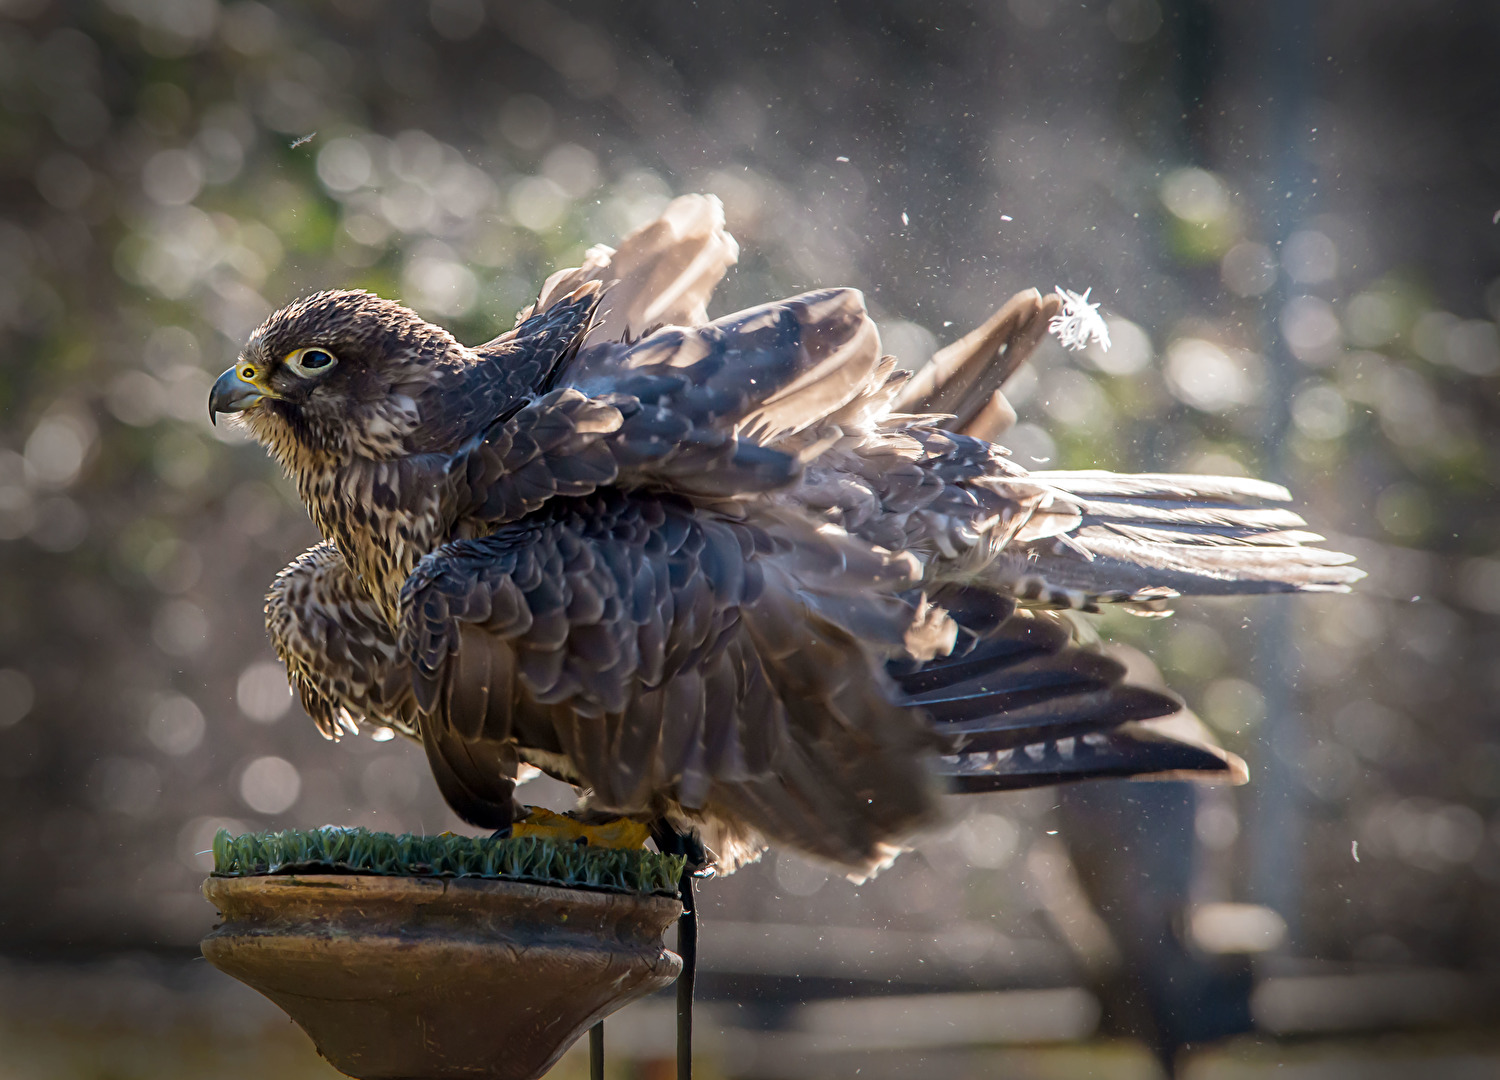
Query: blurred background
x=1290, y=212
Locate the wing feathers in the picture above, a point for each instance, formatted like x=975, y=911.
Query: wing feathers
x=840, y=351
x=962, y=378
x=1178, y=486
x=1128, y=751
x=750, y=676
x=1023, y=682
x=662, y=273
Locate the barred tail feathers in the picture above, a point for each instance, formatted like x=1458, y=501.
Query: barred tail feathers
x=1143, y=537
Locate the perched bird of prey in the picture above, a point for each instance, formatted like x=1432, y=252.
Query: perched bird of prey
x=742, y=578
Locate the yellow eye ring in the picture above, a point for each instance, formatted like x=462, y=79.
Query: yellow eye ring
x=247, y=373
x=310, y=361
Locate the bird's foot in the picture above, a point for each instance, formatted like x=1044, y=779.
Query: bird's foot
x=581, y=827
x=673, y=841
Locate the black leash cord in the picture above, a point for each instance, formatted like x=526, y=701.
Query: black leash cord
x=687, y=948
x=596, y=1051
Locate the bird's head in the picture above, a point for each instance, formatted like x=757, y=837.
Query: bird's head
x=336, y=373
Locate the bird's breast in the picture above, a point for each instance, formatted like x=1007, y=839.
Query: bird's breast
x=382, y=521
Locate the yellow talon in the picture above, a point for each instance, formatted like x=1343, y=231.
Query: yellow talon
x=561, y=828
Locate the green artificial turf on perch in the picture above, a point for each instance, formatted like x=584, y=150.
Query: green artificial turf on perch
x=522, y=858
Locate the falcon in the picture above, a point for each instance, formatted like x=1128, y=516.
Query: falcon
x=744, y=581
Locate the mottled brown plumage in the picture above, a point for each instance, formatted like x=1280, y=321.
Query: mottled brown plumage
x=722, y=575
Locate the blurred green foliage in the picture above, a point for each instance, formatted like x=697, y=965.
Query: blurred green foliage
x=170, y=172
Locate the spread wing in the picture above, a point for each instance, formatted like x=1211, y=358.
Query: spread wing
x=675, y=660
x=796, y=360
x=767, y=371
x=685, y=409
x=339, y=652
x=662, y=274
x=738, y=407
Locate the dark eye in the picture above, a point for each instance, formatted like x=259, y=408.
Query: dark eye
x=311, y=361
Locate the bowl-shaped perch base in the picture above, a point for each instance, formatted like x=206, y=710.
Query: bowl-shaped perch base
x=408, y=978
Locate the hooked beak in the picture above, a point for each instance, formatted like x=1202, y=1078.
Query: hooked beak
x=232, y=394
